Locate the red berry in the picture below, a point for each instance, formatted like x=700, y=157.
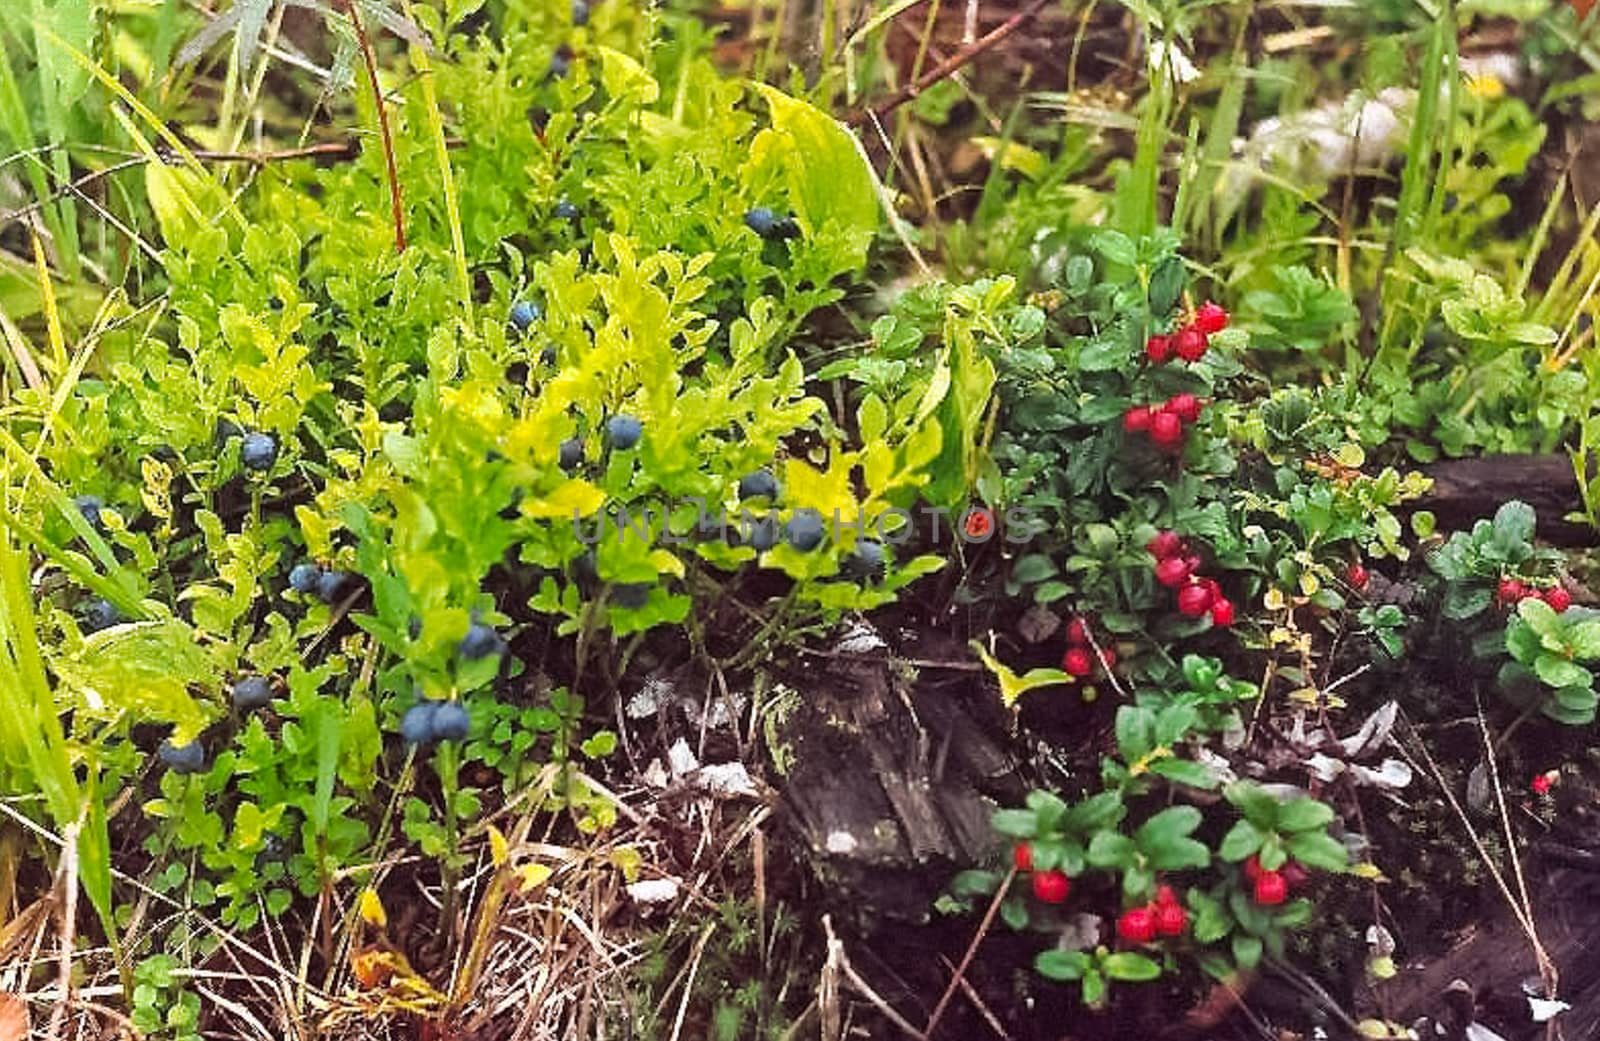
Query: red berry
x=1051, y=886
x=1171, y=920
x=1210, y=318
x=1213, y=586
x=1222, y=612
x=1185, y=406
x=1136, y=420
x=1137, y=925
x=1252, y=867
x=1077, y=662
x=1172, y=572
x=1166, y=430
x=1510, y=591
x=1194, y=600
x=1077, y=633
x=1158, y=349
x=1190, y=343
x=1165, y=895
x=1022, y=856
x=1357, y=574
x=1165, y=544
x=979, y=523
x=1295, y=875
x=1558, y=599
x=1271, y=889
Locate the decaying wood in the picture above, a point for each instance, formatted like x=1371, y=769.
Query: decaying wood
x=889, y=782
x=1466, y=489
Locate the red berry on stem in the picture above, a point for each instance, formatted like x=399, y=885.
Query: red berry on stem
x=1022, y=856
x=1222, y=612
x=1510, y=591
x=1158, y=349
x=1165, y=544
x=1542, y=784
x=1185, y=406
x=1077, y=662
x=1137, y=925
x=1357, y=574
x=1252, y=867
x=1558, y=599
x=1194, y=600
x=1136, y=420
x=1166, y=430
x=1190, y=343
x=1171, y=920
x=1210, y=318
x=1165, y=895
x=1077, y=633
x=1172, y=572
x=1271, y=889
x=1051, y=886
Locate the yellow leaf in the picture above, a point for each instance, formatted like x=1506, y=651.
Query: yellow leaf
x=372, y=909
x=571, y=498
x=1369, y=871
x=1274, y=600
x=499, y=849
x=1013, y=686
x=532, y=876
x=628, y=861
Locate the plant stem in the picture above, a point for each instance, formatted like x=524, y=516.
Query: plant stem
x=370, y=59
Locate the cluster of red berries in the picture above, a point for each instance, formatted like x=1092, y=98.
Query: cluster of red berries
x=1163, y=917
x=1512, y=591
x=1177, y=568
x=1164, y=422
x=1272, y=887
x=1079, y=661
x=1051, y=887
x=1191, y=341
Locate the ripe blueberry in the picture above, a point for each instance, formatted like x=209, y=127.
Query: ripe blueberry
x=450, y=722
x=480, y=642
x=565, y=210
x=758, y=485
x=560, y=62
x=303, y=577
x=258, y=451
x=183, y=759
x=866, y=562
x=251, y=692
x=804, y=530
x=623, y=431
x=416, y=726
x=760, y=220
x=762, y=535
x=100, y=614
x=524, y=313
x=571, y=454
x=580, y=12
x=89, y=506
x=331, y=585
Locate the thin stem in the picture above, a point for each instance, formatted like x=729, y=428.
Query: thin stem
x=370, y=59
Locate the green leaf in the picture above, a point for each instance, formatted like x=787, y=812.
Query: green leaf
x=1304, y=815
x=1185, y=771
x=1556, y=671
x=1257, y=805
x=1246, y=951
x=1515, y=521
x=1130, y=967
x=1048, y=809
x=1463, y=602
x=1166, y=283
x=1036, y=567
x=1542, y=618
x=1135, y=729
x=829, y=179
x=1061, y=965
x=1178, y=855
x=1170, y=824
x=1242, y=840
x=1110, y=850
x=1095, y=813
x=1319, y=850
x=1584, y=639
x=1016, y=824
x=1015, y=914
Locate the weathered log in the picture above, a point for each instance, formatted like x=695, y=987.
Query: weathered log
x=1465, y=490
x=889, y=783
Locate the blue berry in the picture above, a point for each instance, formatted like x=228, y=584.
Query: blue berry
x=758, y=485
x=416, y=726
x=450, y=722
x=524, y=313
x=623, y=431
x=183, y=759
x=100, y=614
x=760, y=220
x=866, y=562
x=303, y=577
x=571, y=454
x=763, y=534
x=89, y=506
x=805, y=530
x=480, y=642
x=258, y=451
x=631, y=595
x=251, y=692
x=565, y=210
x=580, y=12
x=560, y=62
x=331, y=585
